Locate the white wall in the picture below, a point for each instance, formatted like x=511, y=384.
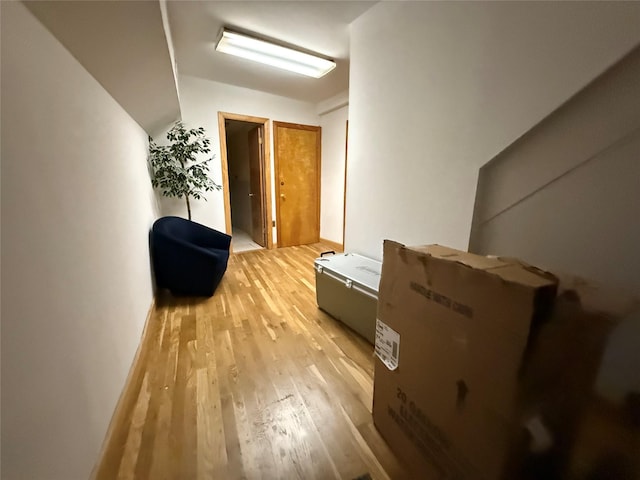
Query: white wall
x=334, y=137
x=77, y=206
x=566, y=195
x=201, y=100
x=437, y=89
x=585, y=222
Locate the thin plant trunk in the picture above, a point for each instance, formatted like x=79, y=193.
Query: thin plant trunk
x=186, y=197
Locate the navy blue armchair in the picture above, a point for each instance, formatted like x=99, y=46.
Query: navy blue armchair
x=188, y=258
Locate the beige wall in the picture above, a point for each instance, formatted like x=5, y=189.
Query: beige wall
x=438, y=89
x=76, y=285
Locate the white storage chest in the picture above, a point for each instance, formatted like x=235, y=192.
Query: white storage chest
x=347, y=289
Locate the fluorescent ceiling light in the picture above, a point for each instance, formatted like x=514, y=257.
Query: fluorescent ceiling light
x=270, y=54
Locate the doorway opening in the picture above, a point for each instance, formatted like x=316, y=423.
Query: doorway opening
x=246, y=174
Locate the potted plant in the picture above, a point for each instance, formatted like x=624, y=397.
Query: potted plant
x=176, y=169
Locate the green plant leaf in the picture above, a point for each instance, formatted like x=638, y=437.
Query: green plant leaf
x=176, y=169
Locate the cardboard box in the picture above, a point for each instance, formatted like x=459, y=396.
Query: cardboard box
x=604, y=442
x=607, y=444
x=482, y=370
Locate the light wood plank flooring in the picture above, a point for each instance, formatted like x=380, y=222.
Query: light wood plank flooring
x=255, y=382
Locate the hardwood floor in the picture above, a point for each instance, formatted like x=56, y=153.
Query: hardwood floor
x=255, y=382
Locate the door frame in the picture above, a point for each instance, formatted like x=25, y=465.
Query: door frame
x=266, y=178
x=276, y=167
x=344, y=190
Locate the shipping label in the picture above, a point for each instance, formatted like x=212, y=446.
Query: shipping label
x=387, y=345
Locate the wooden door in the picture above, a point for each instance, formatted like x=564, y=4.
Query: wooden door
x=297, y=164
x=256, y=186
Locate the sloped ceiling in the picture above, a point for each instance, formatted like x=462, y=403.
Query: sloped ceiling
x=124, y=46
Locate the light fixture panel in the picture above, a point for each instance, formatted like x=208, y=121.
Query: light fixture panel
x=274, y=55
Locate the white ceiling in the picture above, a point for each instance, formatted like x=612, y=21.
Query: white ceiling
x=318, y=26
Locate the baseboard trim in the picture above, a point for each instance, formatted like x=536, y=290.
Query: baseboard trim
x=125, y=405
x=338, y=247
